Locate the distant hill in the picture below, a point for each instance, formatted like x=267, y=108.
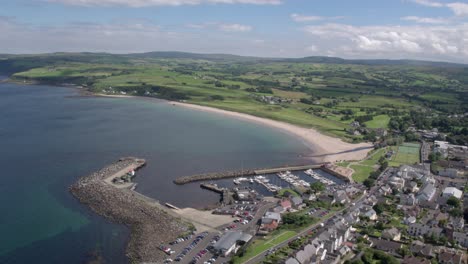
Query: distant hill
x=16, y=63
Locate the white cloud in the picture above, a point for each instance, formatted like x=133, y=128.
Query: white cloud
x=394, y=41
x=426, y=20
x=428, y=3
x=234, y=27
x=145, y=3
x=460, y=9
x=312, y=48
x=303, y=18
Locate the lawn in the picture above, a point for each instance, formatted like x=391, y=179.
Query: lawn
x=380, y=121
x=408, y=153
x=361, y=172
x=261, y=245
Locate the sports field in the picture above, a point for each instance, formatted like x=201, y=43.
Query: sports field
x=407, y=153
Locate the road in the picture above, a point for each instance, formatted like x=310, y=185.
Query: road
x=357, y=203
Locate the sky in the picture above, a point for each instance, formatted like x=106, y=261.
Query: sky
x=365, y=29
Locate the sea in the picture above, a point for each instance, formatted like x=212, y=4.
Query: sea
x=50, y=136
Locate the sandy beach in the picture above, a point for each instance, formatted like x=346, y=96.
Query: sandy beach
x=325, y=148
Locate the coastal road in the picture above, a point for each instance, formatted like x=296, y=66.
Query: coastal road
x=357, y=203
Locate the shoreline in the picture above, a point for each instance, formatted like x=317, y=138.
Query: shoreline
x=323, y=148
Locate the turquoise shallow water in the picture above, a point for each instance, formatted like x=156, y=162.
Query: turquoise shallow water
x=49, y=138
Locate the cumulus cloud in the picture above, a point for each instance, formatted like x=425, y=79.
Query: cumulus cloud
x=145, y=3
x=303, y=18
x=222, y=27
x=428, y=3
x=460, y=9
x=398, y=41
x=426, y=20
x=234, y=27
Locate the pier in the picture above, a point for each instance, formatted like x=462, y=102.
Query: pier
x=244, y=173
x=212, y=187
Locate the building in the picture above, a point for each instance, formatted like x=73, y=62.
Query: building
x=418, y=229
x=285, y=204
x=229, y=242
x=461, y=239
x=452, y=191
x=297, y=202
x=450, y=258
x=392, y=234
x=387, y=246
x=427, y=192
x=421, y=249
x=371, y=214
x=449, y=172
x=415, y=260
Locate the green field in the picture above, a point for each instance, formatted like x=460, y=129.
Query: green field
x=260, y=245
x=323, y=93
x=407, y=153
x=380, y=121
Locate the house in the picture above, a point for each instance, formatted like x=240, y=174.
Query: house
x=273, y=216
x=327, y=199
x=457, y=222
x=387, y=246
x=412, y=187
x=421, y=249
x=371, y=214
x=267, y=225
x=297, y=202
x=410, y=220
x=449, y=172
x=292, y=261
x=452, y=191
x=396, y=182
x=309, y=197
x=415, y=260
x=461, y=239
x=427, y=192
x=408, y=199
x=285, y=204
x=341, y=197
x=429, y=205
x=392, y=234
x=418, y=229
x=450, y=258
x=385, y=190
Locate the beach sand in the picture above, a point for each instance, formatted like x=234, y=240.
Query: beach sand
x=324, y=148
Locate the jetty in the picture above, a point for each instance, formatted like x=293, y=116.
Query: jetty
x=149, y=224
x=253, y=172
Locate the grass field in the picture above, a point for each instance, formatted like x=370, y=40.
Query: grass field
x=361, y=173
x=326, y=96
x=260, y=245
x=407, y=153
x=380, y=121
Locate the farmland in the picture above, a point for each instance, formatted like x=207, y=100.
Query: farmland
x=309, y=92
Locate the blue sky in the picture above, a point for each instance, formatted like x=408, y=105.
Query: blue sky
x=395, y=29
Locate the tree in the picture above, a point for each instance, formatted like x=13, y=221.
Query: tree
x=317, y=186
x=453, y=201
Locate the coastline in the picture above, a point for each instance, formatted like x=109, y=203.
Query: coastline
x=323, y=148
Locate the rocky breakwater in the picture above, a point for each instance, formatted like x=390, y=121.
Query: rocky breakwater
x=149, y=224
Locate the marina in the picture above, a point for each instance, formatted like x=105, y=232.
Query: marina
x=318, y=177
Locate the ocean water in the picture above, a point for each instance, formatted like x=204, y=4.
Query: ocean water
x=49, y=137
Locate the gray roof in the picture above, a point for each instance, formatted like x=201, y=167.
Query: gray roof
x=292, y=261
x=230, y=238
x=296, y=200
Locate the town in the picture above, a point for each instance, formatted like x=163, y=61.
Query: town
x=410, y=214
